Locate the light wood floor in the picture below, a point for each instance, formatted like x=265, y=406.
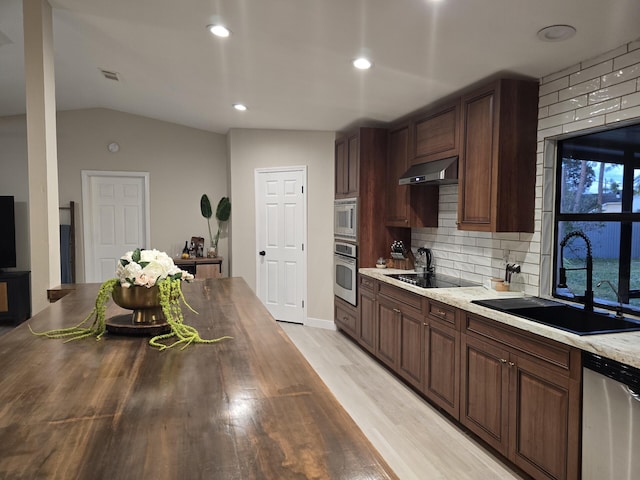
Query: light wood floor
x=415, y=439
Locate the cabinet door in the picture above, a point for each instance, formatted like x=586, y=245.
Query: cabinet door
x=441, y=367
x=484, y=392
x=345, y=316
x=410, y=358
x=366, y=335
x=436, y=135
x=540, y=419
x=397, y=196
x=341, y=167
x=388, y=333
x=477, y=172
x=353, y=161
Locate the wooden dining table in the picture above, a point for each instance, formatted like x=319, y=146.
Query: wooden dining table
x=249, y=407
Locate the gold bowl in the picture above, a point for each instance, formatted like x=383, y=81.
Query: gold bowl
x=145, y=303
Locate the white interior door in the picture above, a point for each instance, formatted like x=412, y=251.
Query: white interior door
x=280, y=240
x=115, y=219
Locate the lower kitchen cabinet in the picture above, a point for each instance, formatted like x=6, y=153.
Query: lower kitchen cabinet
x=346, y=317
x=366, y=302
x=518, y=392
x=441, y=360
x=521, y=395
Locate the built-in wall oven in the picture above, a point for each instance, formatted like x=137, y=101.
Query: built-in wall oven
x=345, y=271
x=345, y=219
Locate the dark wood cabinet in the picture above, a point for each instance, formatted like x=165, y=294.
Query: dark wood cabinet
x=497, y=166
x=15, y=296
x=201, y=267
x=367, y=314
x=407, y=205
x=518, y=392
x=441, y=357
x=388, y=332
x=436, y=134
x=346, y=166
x=521, y=394
x=397, y=196
x=346, y=317
x=360, y=162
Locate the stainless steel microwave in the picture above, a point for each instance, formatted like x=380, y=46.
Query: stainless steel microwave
x=345, y=218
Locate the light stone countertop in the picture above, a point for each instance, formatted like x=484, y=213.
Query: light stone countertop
x=623, y=347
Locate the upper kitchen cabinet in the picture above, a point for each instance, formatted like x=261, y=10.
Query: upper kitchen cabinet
x=406, y=205
x=347, y=165
x=436, y=134
x=497, y=166
x=360, y=164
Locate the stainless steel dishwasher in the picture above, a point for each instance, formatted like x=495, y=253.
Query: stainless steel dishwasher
x=610, y=419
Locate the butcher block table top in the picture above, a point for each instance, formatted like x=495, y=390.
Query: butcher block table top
x=246, y=408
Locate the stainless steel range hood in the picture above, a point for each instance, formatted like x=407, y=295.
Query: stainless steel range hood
x=429, y=173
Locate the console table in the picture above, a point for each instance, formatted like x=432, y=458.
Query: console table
x=15, y=296
x=201, y=267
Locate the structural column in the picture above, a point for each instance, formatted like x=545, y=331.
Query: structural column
x=44, y=235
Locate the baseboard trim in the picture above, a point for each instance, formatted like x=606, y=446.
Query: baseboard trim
x=320, y=323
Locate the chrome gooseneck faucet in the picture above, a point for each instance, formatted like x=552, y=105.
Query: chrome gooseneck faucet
x=588, y=293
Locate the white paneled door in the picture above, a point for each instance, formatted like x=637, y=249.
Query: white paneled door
x=280, y=241
x=115, y=219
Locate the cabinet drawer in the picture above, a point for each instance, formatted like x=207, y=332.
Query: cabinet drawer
x=345, y=317
x=440, y=311
x=545, y=349
x=403, y=297
x=366, y=282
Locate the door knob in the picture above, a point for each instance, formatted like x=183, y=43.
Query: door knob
x=262, y=253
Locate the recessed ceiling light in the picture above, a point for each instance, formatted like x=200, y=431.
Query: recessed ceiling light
x=556, y=33
x=219, y=30
x=362, y=63
x=239, y=106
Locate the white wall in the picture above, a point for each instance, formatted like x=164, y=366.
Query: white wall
x=602, y=92
x=252, y=149
x=183, y=163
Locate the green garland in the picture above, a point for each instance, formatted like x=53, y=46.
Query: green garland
x=170, y=297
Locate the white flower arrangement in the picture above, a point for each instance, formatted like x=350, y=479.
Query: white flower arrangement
x=147, y=268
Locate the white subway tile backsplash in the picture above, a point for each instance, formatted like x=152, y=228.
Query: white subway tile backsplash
x=627, y=59
x=583, y=124
x=563, y=73
x=604, y=89
x=604, y=57
x=622, y=75
x=579, y=89
x=554, y=86
x=556, y=120
x=570, y=104
x=548, y=99
x=612, y=91
x=585, y=74
x=598, y=109
x=629, y=101
x=626, y=114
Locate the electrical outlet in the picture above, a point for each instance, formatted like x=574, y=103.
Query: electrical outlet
x=505, y=255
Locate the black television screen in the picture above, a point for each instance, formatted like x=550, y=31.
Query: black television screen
x=7, y=233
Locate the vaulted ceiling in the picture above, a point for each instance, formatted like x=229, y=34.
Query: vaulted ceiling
x=289, y=61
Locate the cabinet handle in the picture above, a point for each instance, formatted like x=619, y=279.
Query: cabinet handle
x=441, y=313
x=503, y=360
x=511, y=364
x=396, y=310
x=425, y=324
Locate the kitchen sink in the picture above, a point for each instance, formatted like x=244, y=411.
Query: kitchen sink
x=559, y=315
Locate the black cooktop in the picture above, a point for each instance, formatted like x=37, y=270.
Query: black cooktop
x=431, y=280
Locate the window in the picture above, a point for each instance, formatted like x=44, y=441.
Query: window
x=598, y=193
